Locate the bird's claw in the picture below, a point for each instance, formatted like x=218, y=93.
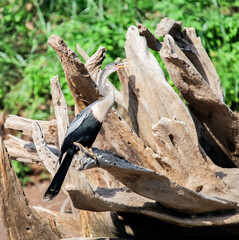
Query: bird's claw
x=89, y=153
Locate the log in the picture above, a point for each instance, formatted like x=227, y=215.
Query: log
x=20, y=219
x=24, y=125
x=155, y=186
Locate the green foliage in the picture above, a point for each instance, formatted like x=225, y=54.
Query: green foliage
x=27, y=63
x=22, y=170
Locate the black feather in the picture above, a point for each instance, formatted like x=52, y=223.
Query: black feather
x=83, y=133
x=83, y=129
x=59, y=177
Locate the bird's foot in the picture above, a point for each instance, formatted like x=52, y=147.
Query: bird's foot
x=94, y=156
x=87, y=152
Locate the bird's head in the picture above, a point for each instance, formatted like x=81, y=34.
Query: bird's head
x=112, y=67
x=107, y=70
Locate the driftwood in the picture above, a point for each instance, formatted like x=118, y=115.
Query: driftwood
x=22, y=221
x=165, y=171
x=24, y=125
x=193, y=73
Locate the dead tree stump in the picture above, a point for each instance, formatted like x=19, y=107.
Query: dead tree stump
x=174, y=166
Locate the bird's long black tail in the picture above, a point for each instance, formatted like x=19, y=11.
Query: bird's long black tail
x=57, y=181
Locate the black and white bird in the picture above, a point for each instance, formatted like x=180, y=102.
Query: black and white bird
x=83, y=129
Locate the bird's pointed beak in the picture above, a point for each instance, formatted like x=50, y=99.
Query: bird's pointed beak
x=123, y=65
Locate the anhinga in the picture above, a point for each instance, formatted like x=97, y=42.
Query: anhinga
x=83, y=129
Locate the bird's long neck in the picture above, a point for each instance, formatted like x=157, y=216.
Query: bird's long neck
x=101, y=108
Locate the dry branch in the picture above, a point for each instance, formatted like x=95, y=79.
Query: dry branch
x=20, y=219
x=77, y=76
x=60, y=108
x=24, y=125
x=22, y=150
x=46, y=156
x=93, y=64
x=161, y=189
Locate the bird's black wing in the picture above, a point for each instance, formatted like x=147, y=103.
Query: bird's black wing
x=78, y=120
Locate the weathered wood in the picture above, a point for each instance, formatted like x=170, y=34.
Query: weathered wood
x=60, y=108
x=152, y=41
x=93, y=64
x=112, y=164
x=192, y=47
x=24, y=125
x=22, y=150
x=130, y=98
x=46, y=156
x=156, y=186
x=168, y=26
x=77, y=76
x=115, y=134
x=20, y=219
x=99, y=225
x=148, y=81
x=207, y=106
x=66, y=225
x=188, y=163
x=25, y=151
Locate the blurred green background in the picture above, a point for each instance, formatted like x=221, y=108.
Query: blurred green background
x=28, y=63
